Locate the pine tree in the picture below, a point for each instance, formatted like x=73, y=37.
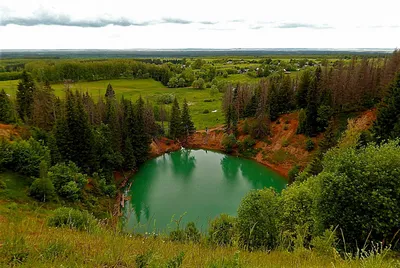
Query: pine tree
x=302, y=91
x=251, y=107
x=25, y=90
x=44, y=109
x=73, y=133
x=110, y=93
x=187, y=123
x=140, y=139
x=387, y=124
x=6, y=108
x=175, y=124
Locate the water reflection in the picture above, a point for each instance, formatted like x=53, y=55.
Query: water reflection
x=183, y=163
x=230, y=167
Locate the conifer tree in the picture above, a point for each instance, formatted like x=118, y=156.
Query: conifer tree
x=6, y=108
x=387, y=124
x=187, y=123
x=302, y=91
x=44, y=108
x=251, y=107
x=110, y=93
x=25, y=90
x=175, y=124
x=140, y=139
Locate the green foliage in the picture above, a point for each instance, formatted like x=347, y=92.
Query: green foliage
x=175, y=261
x=198, y=83
x=387, y=124
x=221, y=231
x=143, y=260
x=6, y=108
x=186, y=120
x=229, y=143
x=175, y=124
x=56, y=250
x=67, y=180
x=26, y=88
x=26, y=156
x=206, y=111
x=293, y=172
x=189, y=234
x=310, y=145
x=302, y=119
x=15, y=250
x=42, y=189
x=74, y=219
x=260, y=128
x=325, y=114
x=165, y=98
x=297, y=208
x=360, y=192
x=326, y=243
x=257, y=221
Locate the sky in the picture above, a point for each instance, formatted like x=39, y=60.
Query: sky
x=168, y=24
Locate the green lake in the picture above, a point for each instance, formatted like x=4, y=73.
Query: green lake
x=198, y=184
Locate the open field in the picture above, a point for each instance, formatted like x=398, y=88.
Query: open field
x=149, y=90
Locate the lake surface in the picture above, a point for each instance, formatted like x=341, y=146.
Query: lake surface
x=198, y=184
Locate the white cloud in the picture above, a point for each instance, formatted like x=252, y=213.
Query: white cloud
x=123, y=24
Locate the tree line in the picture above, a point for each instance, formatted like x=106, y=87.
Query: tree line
x=83, y=135
x=319, y=93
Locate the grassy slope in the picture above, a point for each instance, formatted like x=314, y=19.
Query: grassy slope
x=149, y=90
x=24, y=232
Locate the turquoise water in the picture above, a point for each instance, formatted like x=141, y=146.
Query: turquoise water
x=198, y=184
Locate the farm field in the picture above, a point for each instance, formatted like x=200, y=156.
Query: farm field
x=150, y=90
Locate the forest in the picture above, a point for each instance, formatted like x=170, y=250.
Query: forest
x=342, y=208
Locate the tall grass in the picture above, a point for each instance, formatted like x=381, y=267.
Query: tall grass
x=30, y=242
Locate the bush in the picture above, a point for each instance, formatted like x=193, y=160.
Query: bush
x=310, y=145
x=208, y=100
x=67, y=180
x=191, y=232
x=26, y=157
x=206, y=111
x=257, y=221
x=3, y=185
x=229, y=142
x=221, y=230
x=42, y=189
x=198, y=83
x=74, y=219
x=360, y=192
x=165, y=99
x=285, y=143
x=297, y=207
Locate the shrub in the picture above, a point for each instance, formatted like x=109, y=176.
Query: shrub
x=325, y=244
x=360, y=192
x=74, y=219
x=206, y=111
x=310, y=145
x=297, y=207
x=208, y=100
x=191, y=232
x=42, y=189
x=221, y=230
x=143, y=260
x=198, y=83
x=165, y=98
x=285, y=127
x=27, y=155
x=249, y=142
x=175, y=261
x=257, y=221
x=67, y=180
x=229, y=142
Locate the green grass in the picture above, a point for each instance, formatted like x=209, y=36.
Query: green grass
x=17, y=187
x=149, y=90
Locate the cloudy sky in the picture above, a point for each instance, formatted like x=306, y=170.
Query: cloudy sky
x=125, y=24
